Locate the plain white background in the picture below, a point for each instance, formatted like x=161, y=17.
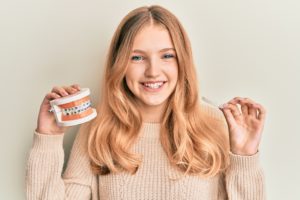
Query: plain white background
x=241, y=48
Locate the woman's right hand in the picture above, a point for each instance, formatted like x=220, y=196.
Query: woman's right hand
x=46, y=123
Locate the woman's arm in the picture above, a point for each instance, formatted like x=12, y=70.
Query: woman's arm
x=243, y=180
x=44, y=178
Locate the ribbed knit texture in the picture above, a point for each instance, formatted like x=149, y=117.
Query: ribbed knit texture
x=244, y=179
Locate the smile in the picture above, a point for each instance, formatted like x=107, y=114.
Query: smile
x=153, y=86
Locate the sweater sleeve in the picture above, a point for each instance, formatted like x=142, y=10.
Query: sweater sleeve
x=44, y=178
x=244, y=179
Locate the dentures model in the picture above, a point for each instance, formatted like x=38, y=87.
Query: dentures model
x=73, y=109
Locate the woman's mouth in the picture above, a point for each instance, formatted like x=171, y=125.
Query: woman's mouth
x=153, y=86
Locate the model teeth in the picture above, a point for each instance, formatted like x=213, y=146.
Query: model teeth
x=77, y=109
x=154, y=85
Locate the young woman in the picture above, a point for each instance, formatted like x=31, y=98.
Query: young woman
x=153, y=138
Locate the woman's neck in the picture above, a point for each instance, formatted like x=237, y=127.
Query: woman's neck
x=152, y=114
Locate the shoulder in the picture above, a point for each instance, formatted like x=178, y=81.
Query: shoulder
x=211, y=110
x=82, y=135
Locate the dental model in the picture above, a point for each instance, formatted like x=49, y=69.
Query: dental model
x=73, y=109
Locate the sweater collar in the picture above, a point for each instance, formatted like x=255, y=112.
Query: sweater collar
x=150, y=129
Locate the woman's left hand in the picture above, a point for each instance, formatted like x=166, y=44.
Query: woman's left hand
x=246, y=126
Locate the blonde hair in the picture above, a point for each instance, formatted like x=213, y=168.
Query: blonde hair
x=194, y=141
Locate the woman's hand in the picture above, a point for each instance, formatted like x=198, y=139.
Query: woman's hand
x=46, y=123
x=246, y=126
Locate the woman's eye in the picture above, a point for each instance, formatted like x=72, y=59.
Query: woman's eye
x=136, y=58
x=139, y=58
x=168, y=56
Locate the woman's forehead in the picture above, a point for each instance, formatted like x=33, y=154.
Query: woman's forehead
x=152, y=38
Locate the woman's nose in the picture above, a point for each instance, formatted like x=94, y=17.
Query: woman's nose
x=153, y=68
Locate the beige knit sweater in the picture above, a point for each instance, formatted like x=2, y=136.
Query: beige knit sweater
x=244, y=179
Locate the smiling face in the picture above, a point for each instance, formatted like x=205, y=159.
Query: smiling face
x=153, y=70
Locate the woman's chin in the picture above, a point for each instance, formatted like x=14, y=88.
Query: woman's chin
x=153, y=103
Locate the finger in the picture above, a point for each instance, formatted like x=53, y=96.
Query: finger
x=252, y=110
x=261, y=112
x=245, y=109
x=59, y=90
x=229, y=117
x=246, y=106
x=234, y=110
x=241, y=101
x=76, y=86
x=70, y=90
x=52, y=95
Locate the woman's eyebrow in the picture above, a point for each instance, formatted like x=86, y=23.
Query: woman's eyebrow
x=162, y=50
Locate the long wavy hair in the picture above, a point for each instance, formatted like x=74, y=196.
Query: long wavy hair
x=194, y=142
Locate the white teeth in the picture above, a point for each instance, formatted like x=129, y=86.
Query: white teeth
x=154, y=85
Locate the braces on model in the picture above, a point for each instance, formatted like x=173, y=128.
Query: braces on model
x=77, y=109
